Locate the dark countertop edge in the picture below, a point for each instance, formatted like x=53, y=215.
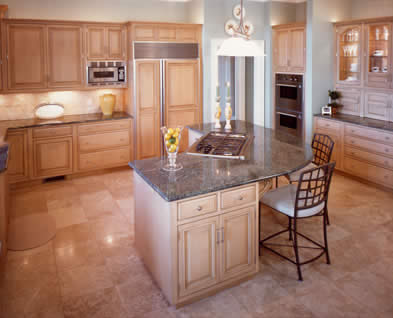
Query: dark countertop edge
x=190, y=195
x=124, y=115
x=349, y=121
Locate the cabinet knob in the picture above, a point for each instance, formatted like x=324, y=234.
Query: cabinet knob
x=199, y=208
x=387, y=150
x=240, y=198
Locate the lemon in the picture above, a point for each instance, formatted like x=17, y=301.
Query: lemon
x=177, y=141
x=168, y=144
x=168, y=136
x=172, y=148
x=170, y=131
x=176, y=134
x=178, y=129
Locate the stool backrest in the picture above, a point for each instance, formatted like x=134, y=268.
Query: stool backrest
x=313, y=187
x=322, y=146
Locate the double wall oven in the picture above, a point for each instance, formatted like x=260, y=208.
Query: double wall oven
x=289, y=103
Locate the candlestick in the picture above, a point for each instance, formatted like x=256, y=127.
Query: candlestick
x=218, y=90
x=228, y=89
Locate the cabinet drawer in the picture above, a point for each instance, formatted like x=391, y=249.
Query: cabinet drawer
x=189, y=209
x=370, y=157
x=232, y=198
x=61, y=131
x=329, y=125
x=369, y=172
x=114, y=125
x=378, y=136
x=104, y=141
x=369, y=146
x=104, y=159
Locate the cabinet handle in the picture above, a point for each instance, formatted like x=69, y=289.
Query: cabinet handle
x=199, y=208
x=222, y=236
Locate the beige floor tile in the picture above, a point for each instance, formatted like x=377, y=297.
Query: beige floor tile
x=72, y=235
x=84, y=279
x=117, y=244
x=27, y=203
x=104, y=303
x=99, y=204
x=106, y=226
x=127, y=209
x=65, y=217
x=79, y=254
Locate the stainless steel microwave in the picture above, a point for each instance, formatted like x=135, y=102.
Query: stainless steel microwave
x=106, y=73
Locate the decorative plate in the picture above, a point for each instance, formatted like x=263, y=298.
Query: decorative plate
x=230, y=26
x=49, y=111
x=236, y=12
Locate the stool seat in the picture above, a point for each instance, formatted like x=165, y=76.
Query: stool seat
x=295, y=176
x=283, y=199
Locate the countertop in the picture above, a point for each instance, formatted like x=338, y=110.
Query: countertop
x=68, y=119
x=271, y=153
x=361, y=121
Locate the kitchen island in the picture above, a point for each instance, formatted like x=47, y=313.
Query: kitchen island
x=197, y=229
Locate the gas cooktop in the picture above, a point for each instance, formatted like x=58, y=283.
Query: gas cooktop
x=221, y=145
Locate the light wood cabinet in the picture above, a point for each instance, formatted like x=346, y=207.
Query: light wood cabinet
x=351, y=100
x=26, y=63
x=182, y=96
x=148, y=108
x=377, y=105
x=289, y=47
x=4, y=216
x=18, y=168
x=198, y=255
x=166, y=32
x=65, y=65
x=106, y=42
x=360, y=151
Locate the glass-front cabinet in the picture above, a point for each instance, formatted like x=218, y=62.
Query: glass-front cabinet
x=379, y=55
x=349, y=54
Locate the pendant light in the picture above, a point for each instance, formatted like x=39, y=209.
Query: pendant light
x=239, y=44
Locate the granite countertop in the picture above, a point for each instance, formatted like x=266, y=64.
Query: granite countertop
x=271, y=153
x=361, y=121
x=68, y=119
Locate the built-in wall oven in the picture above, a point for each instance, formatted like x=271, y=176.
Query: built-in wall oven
x=289, y=103
x=101, y=73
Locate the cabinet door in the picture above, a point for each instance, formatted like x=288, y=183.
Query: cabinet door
x=351, y=100
x=182, y=96
x=26, y=56
x=198, y=255
x=145, y=32
x=377, y=105
x=148, y=108
x=349, y=55
x=281, y=51
x=187, y=34
x=96, y=46
x=18, y=158
x=167, y=33
x=237, y=243
x=116, y=43
x=297, y=50
x=52, y=157
x=65, y=56
x=379, y=55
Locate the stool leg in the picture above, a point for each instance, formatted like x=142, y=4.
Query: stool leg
x=295, y=246
x=327, y=217
x=290, y=228
x=325, y=235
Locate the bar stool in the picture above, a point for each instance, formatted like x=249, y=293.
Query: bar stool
x=322, y=146
x=306, y=199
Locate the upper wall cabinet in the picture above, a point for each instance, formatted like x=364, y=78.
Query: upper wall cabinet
x=26, y=57
x=165, y=32
x=106, y=42
x=349, y=54
x=65, y=66
x=379, y=55
x=289, y=49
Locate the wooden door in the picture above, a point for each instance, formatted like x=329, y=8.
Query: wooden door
x=18, y=158
x=52, y=157
x=182, y=96
x=116, y=45
x=65, y=56
x=377, y=105
x=297, y=50
x=148, y=108
x=281, y=50
x=96, y=43
x=26, y=56
x=198, y=255
x=237, y=243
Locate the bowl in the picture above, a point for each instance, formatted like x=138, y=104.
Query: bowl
x=49, y=111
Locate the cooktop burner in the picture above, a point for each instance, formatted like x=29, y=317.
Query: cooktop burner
x=221, y=145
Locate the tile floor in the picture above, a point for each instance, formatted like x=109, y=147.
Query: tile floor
x=91, y=268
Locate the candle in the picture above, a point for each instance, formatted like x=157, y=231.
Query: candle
x=228, y=89
x=218, y=90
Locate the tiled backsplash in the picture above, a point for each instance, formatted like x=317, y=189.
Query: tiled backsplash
x=21, y=106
